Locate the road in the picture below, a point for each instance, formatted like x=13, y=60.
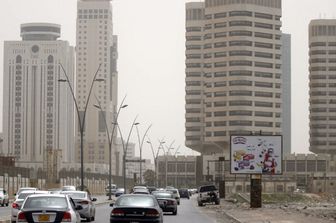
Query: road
x=188, y=212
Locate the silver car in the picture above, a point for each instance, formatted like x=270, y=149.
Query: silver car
x=4, y=200
x=49, y=208
x=18, y=202
x=83, y=199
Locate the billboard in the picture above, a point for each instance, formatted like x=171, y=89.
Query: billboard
x=256, y=154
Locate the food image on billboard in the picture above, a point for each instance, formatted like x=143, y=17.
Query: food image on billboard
x=256, y=155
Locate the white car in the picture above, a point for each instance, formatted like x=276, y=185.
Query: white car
x=18, y=202
x=49, y=208
x=23, y=189
x=84, y=199
x=4, y=200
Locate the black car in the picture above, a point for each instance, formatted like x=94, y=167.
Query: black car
x=166, y=201
x=184, y=193
x=136, y=208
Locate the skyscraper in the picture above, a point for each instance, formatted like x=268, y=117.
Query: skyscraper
x=96, y=46
x=233, y=71
x=322, y=76
x=38, y=110
x=286, y=93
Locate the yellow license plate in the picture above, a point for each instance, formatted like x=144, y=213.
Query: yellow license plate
x=43, y=217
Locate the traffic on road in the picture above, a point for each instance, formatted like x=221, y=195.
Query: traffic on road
x=143, y=204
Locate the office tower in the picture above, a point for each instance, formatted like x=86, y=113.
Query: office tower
x=286, y=93
x=96, y=46
x=38, y=113
x=322, y=76
x=233, y=71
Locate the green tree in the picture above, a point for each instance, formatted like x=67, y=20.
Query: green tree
x=149, y=177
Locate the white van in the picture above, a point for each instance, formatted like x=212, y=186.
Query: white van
x=113, y=189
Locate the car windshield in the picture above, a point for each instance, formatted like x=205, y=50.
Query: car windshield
x=46, y=202
x=137, y=201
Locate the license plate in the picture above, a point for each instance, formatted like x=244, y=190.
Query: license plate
x=43, y=217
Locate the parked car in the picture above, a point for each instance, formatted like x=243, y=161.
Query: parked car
x=208, y=194
x=176, y=195
x=136, y=208
x=4, y=200
x=49, y=208
x=184, y=193
x=18, y=202
x=83, y=199
x=23, y=189
x=166, y=201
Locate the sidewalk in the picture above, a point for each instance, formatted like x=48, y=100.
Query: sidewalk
x=242, y=213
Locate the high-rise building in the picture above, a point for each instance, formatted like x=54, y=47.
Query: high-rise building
x=286, y=93
x=233, y=71
x=96, y=47
x=38, y=111
x=322, y=76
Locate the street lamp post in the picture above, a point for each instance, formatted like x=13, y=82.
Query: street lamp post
x=81, y=120
x=155, y=156
x=140, y=146
x=110, y=138
x=125, y=148
x=166, y=156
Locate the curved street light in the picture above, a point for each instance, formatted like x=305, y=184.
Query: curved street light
x=155, y=156
x=125, y=148
x=81, y=121
x=110, y=137
x=140, y=146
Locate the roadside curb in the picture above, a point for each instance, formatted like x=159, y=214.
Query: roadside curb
x=5, y=221
x=231, y=217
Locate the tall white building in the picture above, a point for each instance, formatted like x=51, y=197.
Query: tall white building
x=38, y=115
x=322, y=83
x=233, y=71
x=96, y=47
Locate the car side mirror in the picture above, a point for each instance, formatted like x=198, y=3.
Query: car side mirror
x=94, y=199
x=111, y=204
x=79, y=207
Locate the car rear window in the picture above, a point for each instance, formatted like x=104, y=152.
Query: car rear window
x=207, y=188
x=162, y=195
x=138, y=201
x=24, y=195
x=46, y=202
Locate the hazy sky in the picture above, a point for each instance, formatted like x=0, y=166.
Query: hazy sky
x=151, y=58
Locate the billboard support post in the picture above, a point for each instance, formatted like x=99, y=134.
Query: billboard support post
x=255, y=192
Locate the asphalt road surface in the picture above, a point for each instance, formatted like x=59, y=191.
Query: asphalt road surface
x=188, y=212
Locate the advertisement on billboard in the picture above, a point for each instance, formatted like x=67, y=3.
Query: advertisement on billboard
x=256, y=154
